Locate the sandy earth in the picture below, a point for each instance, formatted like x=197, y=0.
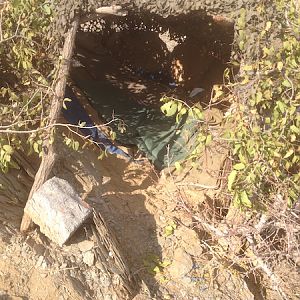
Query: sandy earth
x=160, y=240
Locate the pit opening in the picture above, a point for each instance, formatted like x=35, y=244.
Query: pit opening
x=124, y=65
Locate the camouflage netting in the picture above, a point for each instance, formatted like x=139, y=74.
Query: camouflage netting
x=166, y=8
x=228, y=8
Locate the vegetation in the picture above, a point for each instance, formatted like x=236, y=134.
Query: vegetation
x=263, y=120
x=263, y=133
x=264, y=130
x=27, y=66
x=266, y=117
x=31, y=34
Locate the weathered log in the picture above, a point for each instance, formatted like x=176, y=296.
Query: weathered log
x=56, y=105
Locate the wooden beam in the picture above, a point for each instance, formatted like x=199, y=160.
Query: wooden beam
x=49, y=155
x=114, y=10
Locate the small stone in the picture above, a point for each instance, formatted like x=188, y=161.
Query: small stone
x=85, y=246
x=99, y=265
x=39, y=249
x=105, y=179
x=181, y=265
x=141, y=297
x=44, y=265
x=63, y=266
x=89, y=258
x=186, y=280
x=39, y=261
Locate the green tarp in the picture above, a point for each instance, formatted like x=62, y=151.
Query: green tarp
x=147, y=127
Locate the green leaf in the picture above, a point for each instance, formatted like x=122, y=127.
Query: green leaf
x=81, y=124
x=113, y=135
x=64, y=102
x=218, y=93
x=286, y=83
x=231, y=179
x=268, y=25
x=259, y=97
x=36, y=147
x=178, y=166
x=256, y=129
x=169, y=108
x=47, y=9
x=164, y=263
x=156, y=269
x=183, y=111
x=245, y=200
x=198, y=113
x=68, y=141
x=295, y=129
x=280, y=65
x=101, y=155
x=289, y=153
x=8, y=149
x=239, y=166
x=169, y=230
x=208, y=139
x=281, y=106
x=247, y=67
x=76, y=145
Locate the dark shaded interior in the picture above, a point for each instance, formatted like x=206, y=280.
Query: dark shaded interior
x=124, y=65
x=134, y=51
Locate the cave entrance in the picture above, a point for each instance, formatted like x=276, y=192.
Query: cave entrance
x=124, y=65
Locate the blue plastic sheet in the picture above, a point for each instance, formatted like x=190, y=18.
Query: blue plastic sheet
x=75, y=114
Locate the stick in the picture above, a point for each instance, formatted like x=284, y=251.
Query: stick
x=56, y=105
x=199, y=185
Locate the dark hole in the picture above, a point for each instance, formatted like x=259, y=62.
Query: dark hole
x=125, y=65
x=170, y=56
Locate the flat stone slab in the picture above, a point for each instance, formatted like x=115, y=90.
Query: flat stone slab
x=57, y=209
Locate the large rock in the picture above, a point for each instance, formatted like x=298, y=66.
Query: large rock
x=86, y=245
x=89, y=258
x=57, y=209
x=189, y=240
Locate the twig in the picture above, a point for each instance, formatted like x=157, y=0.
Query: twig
x=29, y=131
x=276, y=282
x=202, y=186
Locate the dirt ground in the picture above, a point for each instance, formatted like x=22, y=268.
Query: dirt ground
x=161, y=241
